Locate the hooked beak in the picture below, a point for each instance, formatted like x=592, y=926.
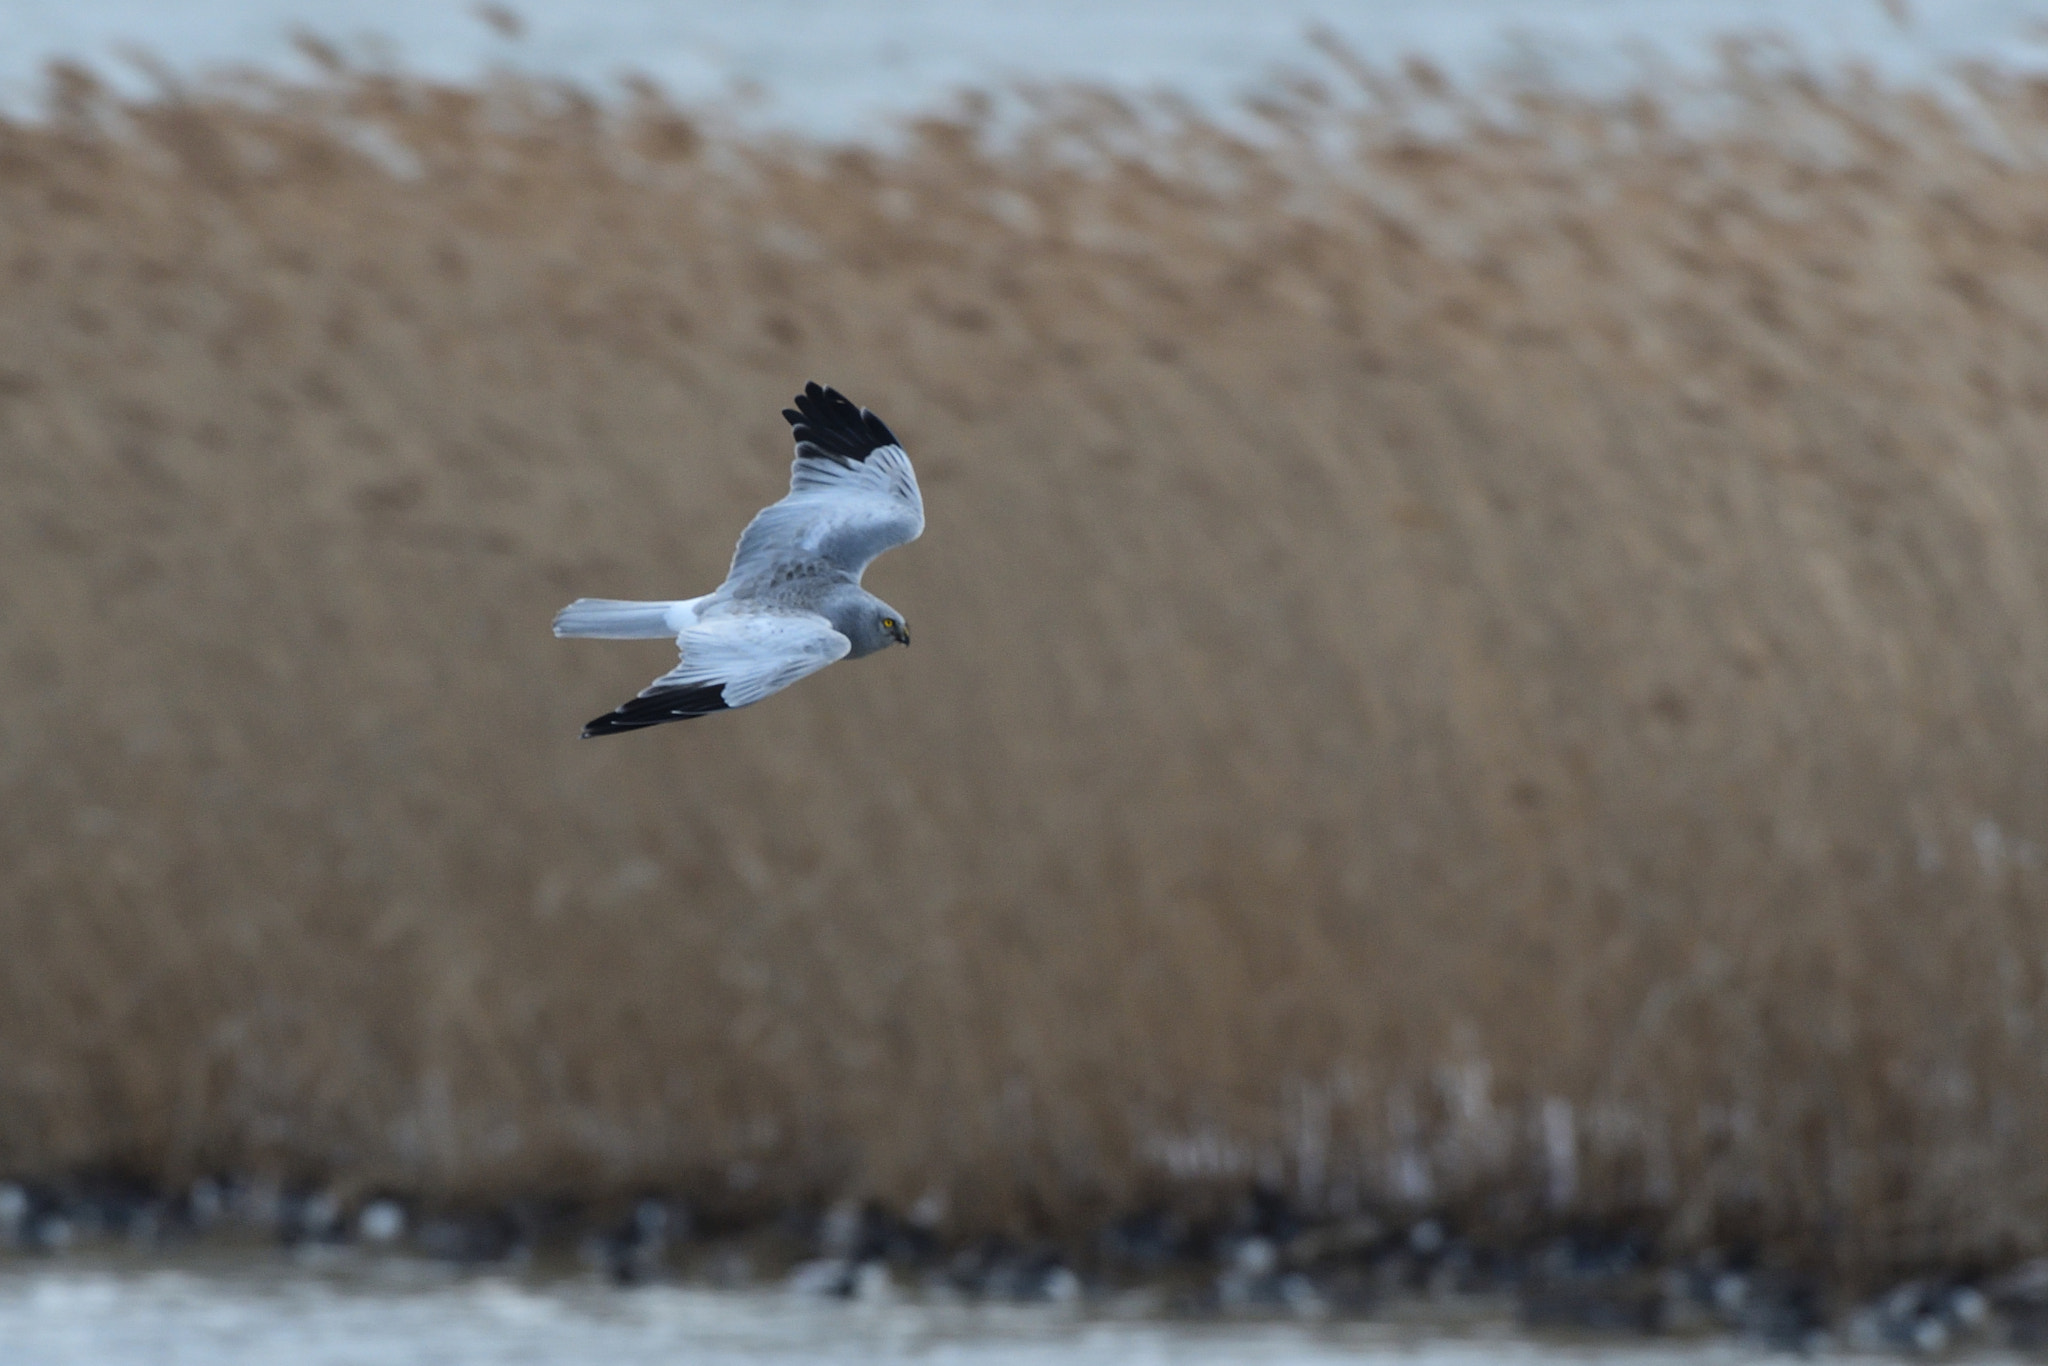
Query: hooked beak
x=902, y=632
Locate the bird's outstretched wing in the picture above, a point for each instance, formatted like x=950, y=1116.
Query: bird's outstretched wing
x=852, y=493
x=730, y=661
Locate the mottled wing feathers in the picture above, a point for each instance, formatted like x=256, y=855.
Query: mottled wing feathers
x=730, y=661
x=755, y=654
x=852, y=493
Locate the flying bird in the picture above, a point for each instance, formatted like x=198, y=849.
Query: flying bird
x=792, y=601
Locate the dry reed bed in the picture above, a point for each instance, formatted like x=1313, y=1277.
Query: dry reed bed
x=1506, y=672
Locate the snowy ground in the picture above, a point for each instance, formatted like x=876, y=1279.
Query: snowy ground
x=252, y=1316
x=842, y=67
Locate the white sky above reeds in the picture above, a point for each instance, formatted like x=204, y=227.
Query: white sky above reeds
x=843, y=68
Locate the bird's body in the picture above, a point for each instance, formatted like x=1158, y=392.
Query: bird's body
x=792, y=602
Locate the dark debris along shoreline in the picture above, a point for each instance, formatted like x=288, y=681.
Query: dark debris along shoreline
x=1262, y=1260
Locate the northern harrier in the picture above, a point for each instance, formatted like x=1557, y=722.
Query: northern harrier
x=792, y=601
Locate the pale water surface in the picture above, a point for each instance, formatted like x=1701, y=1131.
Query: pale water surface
x=398, y=1315
x=846, y=67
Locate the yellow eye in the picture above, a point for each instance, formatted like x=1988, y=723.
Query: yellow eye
x=888, y=623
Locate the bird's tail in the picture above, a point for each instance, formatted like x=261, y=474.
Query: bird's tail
x=616, y=619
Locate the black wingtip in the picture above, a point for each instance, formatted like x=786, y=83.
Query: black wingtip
x=658, y=708
x=828, y=423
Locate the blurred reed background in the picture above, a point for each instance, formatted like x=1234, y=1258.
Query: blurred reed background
x=1502, y=671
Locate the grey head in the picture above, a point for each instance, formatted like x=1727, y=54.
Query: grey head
x=864, y=619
